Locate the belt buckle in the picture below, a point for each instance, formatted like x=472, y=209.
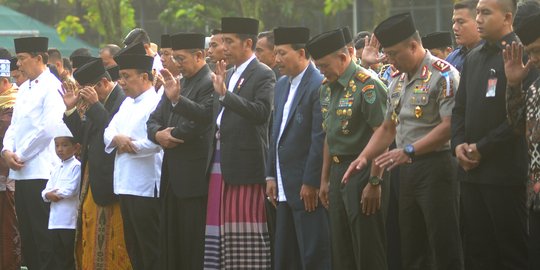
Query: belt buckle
x=335, y=159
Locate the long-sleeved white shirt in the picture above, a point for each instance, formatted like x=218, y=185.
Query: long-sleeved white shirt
x=66, y=178
x=38, y=108
x=139, y=173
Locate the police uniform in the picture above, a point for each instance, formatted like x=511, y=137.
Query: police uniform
x=428, y=199
x=352, y=106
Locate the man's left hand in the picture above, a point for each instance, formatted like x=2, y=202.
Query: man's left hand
x=392, y=159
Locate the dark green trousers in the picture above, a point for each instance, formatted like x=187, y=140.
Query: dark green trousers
x=358, y=240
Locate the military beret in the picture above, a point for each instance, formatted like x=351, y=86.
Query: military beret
x=238, y=25
x=90, y=73
x=13, y=64
x=134, y=61
x=78, y=61
x=395, y=29
x=114, y=72
x=527, y=30
x=135, y=48
x=291, y=35
x=437, y=40
x=31, y=44
x=182, y=41
x=165, y=41
x=325, y=43
x=346, y=34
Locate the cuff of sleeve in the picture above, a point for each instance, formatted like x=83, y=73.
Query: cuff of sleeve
x=70, y=112
x=268, y=178
x=482, y=147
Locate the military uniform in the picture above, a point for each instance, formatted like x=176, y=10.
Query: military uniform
x=428, y=200
x=352, y=106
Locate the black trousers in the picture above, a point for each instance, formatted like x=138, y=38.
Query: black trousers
x=33, y=217
x=428, y=214
x=63, y=241
x=358, y=240
x=534, y=240
x=495, y=227
x=141, y=230
x=302, y=239
x=182, y=232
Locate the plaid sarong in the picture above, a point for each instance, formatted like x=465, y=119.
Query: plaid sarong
x=236, y=230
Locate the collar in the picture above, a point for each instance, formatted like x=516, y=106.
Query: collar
x=346, y=76
x=298, y=78
x=240, y=69
x=148, y=92
x=69, y=160
x=107, y=98
x=423, y=72
x=500, y=44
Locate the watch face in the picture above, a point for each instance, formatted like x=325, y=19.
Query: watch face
x=409, y=149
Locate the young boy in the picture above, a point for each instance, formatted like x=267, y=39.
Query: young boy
x=62, y=191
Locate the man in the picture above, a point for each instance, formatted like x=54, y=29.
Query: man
x=29, y=150
x=137, y=162
x=439, y=44
x=493, y=192
x=523, y=109
x=140, y=35
x=215, y=47
x=242, y=104
x=99, y=215
x=16, y=74
x=264, y=51
x=167, y=58
x=55, y=59
x=418, y=116
x=465, y=31
x=181, y=124
x=353, y=105
x=10, y=245
x=107, y=54
x=294, y=160
x=79, y=57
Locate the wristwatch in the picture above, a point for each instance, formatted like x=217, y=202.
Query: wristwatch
x=409, y=150
x=375, y=180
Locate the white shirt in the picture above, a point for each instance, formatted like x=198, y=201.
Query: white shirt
x=66, y=177
x=295, y=82
x=232, y=83
x=38, y=107
x=139, y=173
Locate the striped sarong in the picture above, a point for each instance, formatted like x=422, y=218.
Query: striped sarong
x=10, y=240
x=236, y=230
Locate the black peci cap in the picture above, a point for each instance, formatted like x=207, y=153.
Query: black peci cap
x=114, y=72
x=90, y=73
x=395, y=29
x=346, y=34
x=183, y=41
x=165, y=41
x=437, y=40
x=31, y=44
x=527, y=30
x=134, y=61
x=13, y=64
x=135, y=48
x=80, y=60
x=239, y=25
x=291, y=35
x=325, y=43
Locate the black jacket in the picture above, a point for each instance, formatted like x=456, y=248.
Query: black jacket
x=89, y=131
x=184, y=167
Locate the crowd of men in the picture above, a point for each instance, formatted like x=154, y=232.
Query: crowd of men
x=281, y=149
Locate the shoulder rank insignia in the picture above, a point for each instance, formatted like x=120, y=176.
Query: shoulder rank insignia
x=362, y=77
x=324, y=81
x=441, y=66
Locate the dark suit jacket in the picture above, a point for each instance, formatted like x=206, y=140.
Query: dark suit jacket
x=301, y=143
x=184, y=167
x=89, y=131
x=244, y=124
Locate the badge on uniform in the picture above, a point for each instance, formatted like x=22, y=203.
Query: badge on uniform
x=418, y=112
x=369, y=95
x=492, y=83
